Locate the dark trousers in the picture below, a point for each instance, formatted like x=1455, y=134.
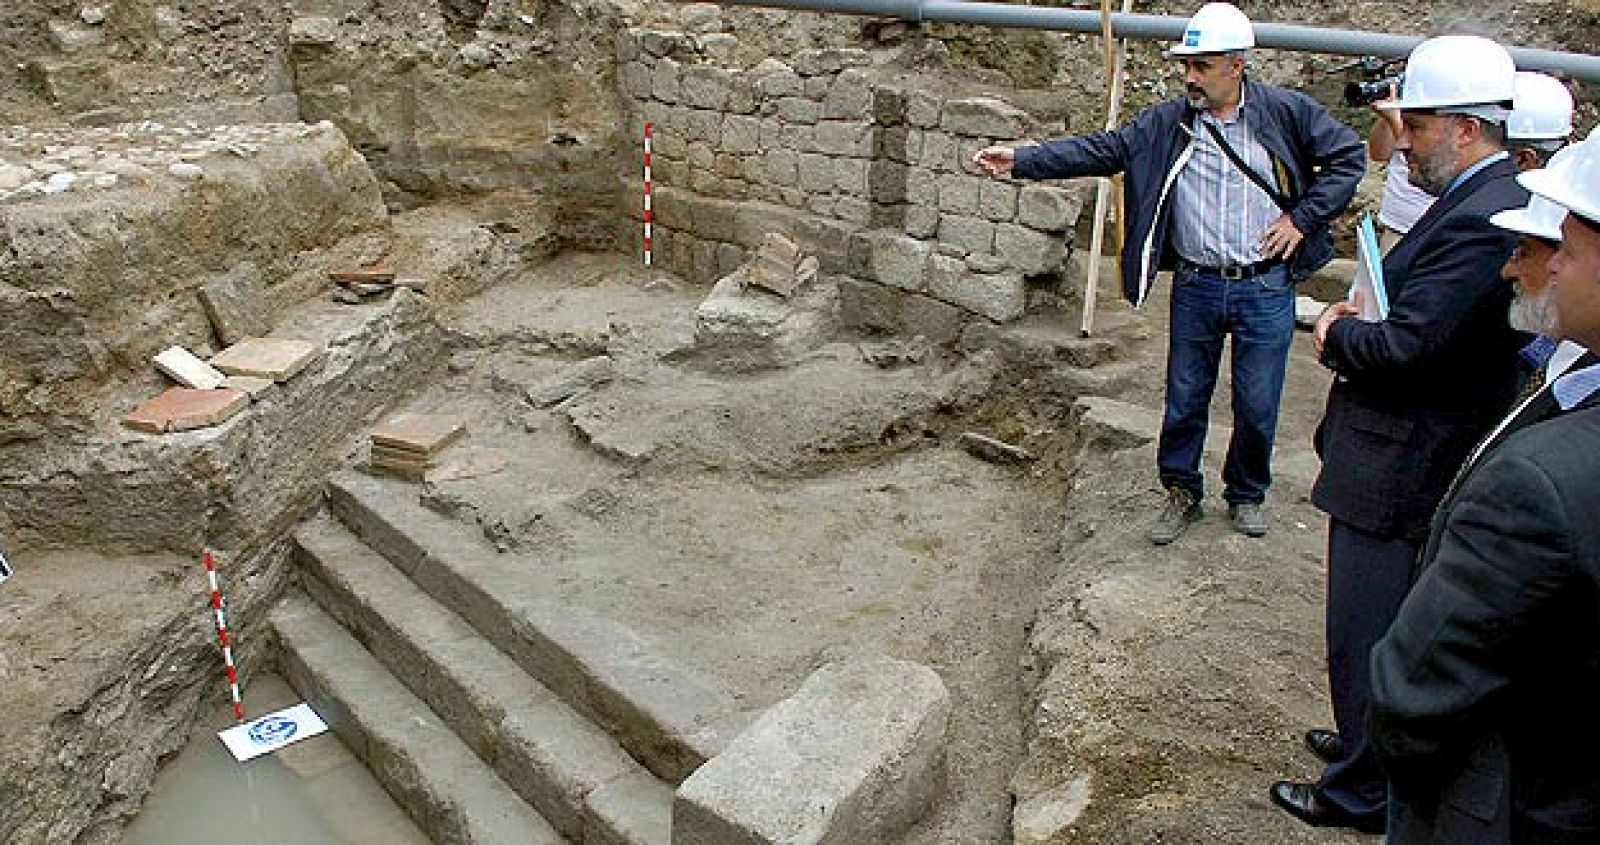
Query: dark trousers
x=1368, y=578
x=1206, y=309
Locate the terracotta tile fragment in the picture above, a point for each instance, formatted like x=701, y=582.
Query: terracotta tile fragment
x=276, y=358
x=362, y=274
x=184, y=408
x=425, y=433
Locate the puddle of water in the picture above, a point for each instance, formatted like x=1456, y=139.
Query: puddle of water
x=314, y=792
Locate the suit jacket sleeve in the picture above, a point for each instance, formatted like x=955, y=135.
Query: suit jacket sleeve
x=1504, y=559
x=1339, y=159
x=1447, y=283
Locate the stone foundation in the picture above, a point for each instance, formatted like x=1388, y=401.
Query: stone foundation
x=862, y=166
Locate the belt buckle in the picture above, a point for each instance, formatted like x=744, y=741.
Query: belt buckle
x=1232, y=274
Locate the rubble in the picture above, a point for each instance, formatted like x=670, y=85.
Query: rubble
x=409, y=445
x=236, y=304
x=741, y=325
x=994, y=451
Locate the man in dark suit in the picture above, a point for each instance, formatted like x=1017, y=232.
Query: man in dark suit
x=1415, y=391
x=1486, y=688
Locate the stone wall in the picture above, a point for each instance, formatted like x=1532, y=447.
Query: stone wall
x=865, y=166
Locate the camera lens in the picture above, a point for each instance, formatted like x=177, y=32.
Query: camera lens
x=1357, y=93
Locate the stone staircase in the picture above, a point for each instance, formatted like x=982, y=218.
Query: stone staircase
x=491, y=714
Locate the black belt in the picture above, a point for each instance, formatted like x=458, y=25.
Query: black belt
x=1238, y=271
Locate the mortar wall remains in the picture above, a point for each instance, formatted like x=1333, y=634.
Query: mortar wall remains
x=862, y=166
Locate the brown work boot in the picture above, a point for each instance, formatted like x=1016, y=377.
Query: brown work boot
x=1183, y=508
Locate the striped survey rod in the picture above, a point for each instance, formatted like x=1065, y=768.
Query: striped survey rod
x=222, y=634
x=647, y=193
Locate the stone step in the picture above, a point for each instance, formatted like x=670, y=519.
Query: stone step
x=450, y=793
x=552, y=757
x=668, y=717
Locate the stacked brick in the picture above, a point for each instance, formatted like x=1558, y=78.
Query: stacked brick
x=870, y=174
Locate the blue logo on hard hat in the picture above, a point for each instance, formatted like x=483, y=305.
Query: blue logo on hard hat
x=1191, y=38
x=272, y=729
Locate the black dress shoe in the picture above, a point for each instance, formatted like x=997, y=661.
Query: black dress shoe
x=1325, y=744
x=1304, y=801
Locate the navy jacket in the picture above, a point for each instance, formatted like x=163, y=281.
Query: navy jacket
x=1485, y=689
x=1317, y=162
x=1417, y=390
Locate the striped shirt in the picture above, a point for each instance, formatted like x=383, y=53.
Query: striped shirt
x=1218, y=214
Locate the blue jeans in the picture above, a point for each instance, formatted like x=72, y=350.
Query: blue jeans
x=1206, y=308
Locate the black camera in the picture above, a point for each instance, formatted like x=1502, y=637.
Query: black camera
x=1378, y=79
x=1365, y=93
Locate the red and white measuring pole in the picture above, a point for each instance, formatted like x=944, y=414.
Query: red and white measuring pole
x=222, y=634
x=647, y=192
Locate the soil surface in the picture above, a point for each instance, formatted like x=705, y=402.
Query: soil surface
x=1174, y=682
x=755, y=525
x=759, y=525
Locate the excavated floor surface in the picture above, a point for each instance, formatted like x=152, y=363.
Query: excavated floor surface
x=754, y=525
x=758, y=525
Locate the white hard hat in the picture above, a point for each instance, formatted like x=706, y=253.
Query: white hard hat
x=1216, y=28
x=1572, y=181
x=1541, y=219
x=1456, y=70
x=1543, y=109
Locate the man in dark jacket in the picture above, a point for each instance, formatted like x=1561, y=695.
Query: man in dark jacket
x=1232, y=187
x=1414, y=391
x=1485, y=690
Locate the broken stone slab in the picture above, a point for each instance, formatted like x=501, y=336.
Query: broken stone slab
x=184, y=408
x=752, y=329
x=890, y=354
x=424, y=433
x=778, y=266
x=313, y=32
x=586, y=374
x=994, y=451
x=235, y=304
x=1114, y=425
x=854, y=756
x=186, y=368
x=1044, y=818
x=276, y=358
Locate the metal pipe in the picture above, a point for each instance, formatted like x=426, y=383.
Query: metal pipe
x=1116, y=59
x=1306, y=39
